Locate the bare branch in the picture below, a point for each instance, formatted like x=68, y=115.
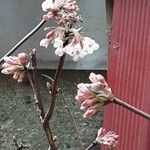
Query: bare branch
x=49, y=113
x=38, y=100
x=35, y=85
x=72, y=119
x=94, y=144
x=23, y=40
x=19, y=145
x=130, y=107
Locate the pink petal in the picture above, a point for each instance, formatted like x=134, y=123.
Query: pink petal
x=90, y=113
x=88, y=103
x=5, y=65
x=11, y=60
x=21, y=76
x=23, y=58
x=16, y=75
x=5, y=71
x=45, y=42
x=12, y=69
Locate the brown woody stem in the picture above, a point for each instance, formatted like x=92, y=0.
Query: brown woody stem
x=23, y=40
x=37, y=95
x=38, y=100
x=53, y=91
x=130, y=107
x=49, y=113
x=49, y=136
x=72, y=119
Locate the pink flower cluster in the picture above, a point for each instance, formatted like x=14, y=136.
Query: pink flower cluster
x=108, y=139
x=78, y=47
x=52, y=35
x=93, y=96
x=16, y=66
x=65, y=13
x=56, y=7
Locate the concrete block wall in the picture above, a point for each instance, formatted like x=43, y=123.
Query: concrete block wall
x=19, y=17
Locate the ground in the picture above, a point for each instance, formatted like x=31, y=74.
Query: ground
x=18, y=115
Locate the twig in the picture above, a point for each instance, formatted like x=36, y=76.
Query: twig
x=94, y=144
x=69, y=111
x=49, y=136
x=23, y=40
x=38, y=100
x=130, y=107
x=72, y=119
x=49, y=113
x=19, y=145
x=51, y=79
x=37, y=96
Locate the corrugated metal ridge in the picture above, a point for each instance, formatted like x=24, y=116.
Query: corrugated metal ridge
x=127, y=72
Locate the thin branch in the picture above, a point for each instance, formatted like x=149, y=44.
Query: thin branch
x=130, y=107
x=38, y=100
x=37, y=96
x=94, y=144
x=72, y=119
x=69, y=111
x=23, y=40
x=46, y=126
x=19, y=145
x=49, y=113
x=49, y=136
x=48, y=77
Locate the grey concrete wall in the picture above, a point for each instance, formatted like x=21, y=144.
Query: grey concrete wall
x=18, y=17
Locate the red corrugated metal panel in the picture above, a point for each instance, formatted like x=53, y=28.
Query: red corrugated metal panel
x=129, y=73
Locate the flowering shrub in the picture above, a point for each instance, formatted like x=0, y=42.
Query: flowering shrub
x=66, y=37
x=94, y=95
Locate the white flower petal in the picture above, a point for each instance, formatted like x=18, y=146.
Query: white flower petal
x=5, y=71
x=59, y=51
x=95, y=46
x=47, y=4
x=58, y=43
x=45, y=42
x=75, y=58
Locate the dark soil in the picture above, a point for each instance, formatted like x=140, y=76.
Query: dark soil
x=18, y=115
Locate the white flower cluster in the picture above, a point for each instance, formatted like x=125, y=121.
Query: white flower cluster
x=65, y=13
x=76, y=49
x=69, y=5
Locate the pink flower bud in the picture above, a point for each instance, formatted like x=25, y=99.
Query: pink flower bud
x=90, y=113
x=94, y=95
x=53, y=37
x=16, y=66
x=45, y=42
x=97, y=78
x=11, y=60
x=23, y=57
x=109, y=139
